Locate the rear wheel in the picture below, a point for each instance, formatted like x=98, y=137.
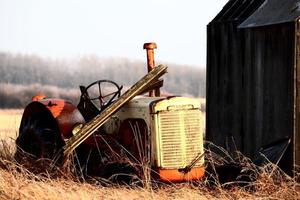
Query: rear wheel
x=38, y=138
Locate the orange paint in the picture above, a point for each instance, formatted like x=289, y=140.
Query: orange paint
x=56, y=106
x=65, y=113
x=38, y=97
x=173, y=175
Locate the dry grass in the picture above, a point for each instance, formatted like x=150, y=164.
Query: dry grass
x=16, y=186
x=18, y=183
x=9, y=122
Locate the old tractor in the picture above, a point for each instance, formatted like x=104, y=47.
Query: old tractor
x=109, y=129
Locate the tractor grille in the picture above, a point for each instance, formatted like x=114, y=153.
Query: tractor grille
x=181, y=137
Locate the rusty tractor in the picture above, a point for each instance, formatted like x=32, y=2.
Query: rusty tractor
x=110, y=130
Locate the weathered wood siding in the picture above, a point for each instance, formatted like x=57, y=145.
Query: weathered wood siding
x=296, y=140
x=250, y=85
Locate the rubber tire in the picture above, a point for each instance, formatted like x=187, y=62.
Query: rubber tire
x=39, y=138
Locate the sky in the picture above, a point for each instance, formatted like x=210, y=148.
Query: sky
x=108, y=28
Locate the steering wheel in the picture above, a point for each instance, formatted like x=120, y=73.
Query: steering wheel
x=102, y=93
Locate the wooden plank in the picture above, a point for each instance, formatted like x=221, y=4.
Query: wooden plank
x=296, y=135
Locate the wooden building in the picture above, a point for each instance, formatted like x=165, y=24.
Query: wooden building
x=253, y=77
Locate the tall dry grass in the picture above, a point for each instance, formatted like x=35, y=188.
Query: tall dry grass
x=17, y=182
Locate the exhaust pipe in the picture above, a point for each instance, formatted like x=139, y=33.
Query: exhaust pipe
x=151, y=64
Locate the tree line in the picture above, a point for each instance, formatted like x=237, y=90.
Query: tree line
x=26, y=74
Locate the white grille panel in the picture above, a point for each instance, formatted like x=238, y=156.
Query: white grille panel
x=181, y=137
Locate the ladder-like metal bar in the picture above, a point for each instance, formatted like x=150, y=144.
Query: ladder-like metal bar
x=89, y=128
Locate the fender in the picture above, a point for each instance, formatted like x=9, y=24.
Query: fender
x=63, y=112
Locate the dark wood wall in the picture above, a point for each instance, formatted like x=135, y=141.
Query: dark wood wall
x=250, y=85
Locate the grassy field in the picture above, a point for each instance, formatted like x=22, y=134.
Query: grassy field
x=16, y=182
x=9, y=123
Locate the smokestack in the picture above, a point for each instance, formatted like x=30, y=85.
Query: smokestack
x=151, y=64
